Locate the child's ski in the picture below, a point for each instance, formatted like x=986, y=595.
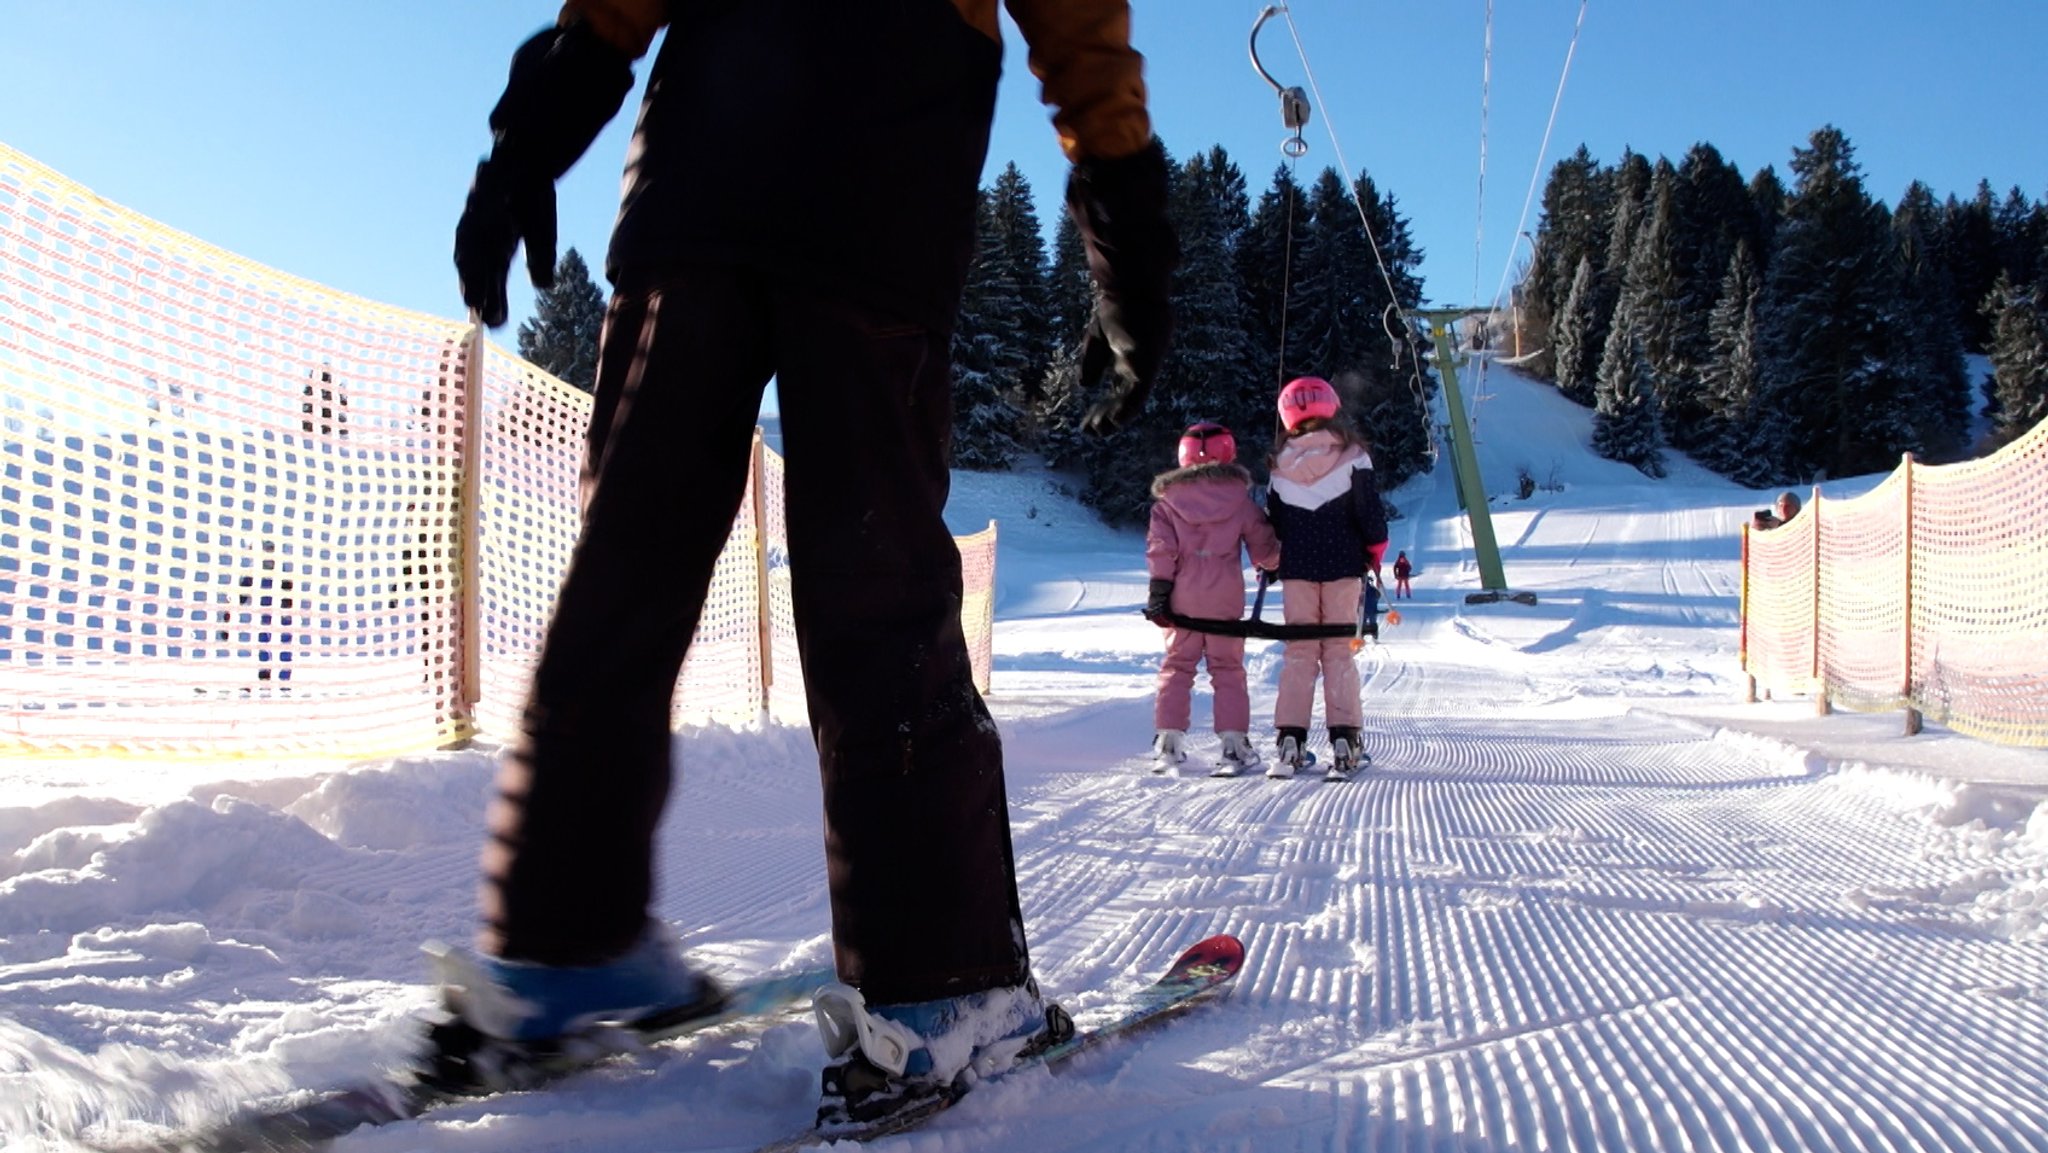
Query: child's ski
x=401, y=1095
x=1201, y=970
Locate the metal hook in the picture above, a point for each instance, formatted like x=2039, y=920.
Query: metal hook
x=1293, y=101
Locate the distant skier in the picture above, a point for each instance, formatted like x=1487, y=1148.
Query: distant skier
x=1402, y=571
x=1204, y=520
x=727, y=275
x=1325, y=508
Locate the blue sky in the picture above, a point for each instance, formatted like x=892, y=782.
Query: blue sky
x=334, y=140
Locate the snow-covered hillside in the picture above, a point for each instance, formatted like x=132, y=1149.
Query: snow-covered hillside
x=1585, y=900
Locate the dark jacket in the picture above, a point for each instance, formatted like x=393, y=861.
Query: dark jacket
x=1325, y=508
x=841, y=144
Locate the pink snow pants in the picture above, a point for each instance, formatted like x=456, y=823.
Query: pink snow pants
x=1319, y=602
x=1173, y=703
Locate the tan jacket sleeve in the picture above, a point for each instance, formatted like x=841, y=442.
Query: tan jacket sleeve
x=1089, y=73
x=628, y=25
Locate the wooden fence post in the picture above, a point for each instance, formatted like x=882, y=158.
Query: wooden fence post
x=1906, y=673
x=1821, y=705
x=469, y=575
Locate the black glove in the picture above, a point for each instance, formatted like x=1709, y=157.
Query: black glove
x=1120, y=208
x=1159, y=603
x=566, y=84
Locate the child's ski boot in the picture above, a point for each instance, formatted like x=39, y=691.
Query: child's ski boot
x=1239, y=757
x=1169, y=749
x=1293, y=753
x=1347, y=755
x=885, y=1058
x=508, y=1024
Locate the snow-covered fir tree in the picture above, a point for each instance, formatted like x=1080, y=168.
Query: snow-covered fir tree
x=1573, y=349
x=1625, y=398
x=1734, y=424
x=1209, y=377
x=567, y=321
x=1939, y=391
x=1268, y=258
x=2019, y=358
x=1021, y=245
x=1657, y=294
x=1574, y=226
x=1832, y=364
x=988, y=354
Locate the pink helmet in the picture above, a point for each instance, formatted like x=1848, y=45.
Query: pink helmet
x=1207, y=442
x=1306, y=398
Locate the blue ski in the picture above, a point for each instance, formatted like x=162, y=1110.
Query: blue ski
x=401, y=1095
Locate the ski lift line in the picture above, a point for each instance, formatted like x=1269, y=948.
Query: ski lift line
x=1542, y=150
x=1415, y=384
x=1485, y=105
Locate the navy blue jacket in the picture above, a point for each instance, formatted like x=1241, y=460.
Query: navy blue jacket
x=1325, y=507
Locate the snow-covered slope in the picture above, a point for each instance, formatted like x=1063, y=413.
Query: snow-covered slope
x=1584, y=901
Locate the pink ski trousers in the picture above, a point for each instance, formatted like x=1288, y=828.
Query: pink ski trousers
x=1172, y=705
x=1319, y=602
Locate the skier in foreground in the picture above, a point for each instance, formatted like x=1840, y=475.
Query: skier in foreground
x=1203, y=521
x=831, y=260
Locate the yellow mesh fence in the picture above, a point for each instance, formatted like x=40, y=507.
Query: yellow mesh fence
x=1925, y=593
x=232, y=509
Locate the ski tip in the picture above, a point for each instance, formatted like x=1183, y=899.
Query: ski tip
x=1222, y=949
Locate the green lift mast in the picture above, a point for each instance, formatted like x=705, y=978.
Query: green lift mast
x=1493, y=579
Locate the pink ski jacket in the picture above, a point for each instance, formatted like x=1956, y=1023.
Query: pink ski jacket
x=1203, y=521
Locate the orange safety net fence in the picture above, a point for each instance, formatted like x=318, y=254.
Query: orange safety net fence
x=233, y=509
x=1923, y=594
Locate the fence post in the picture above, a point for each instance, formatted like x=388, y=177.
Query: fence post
x=1906, y=673
x=1742, y=616
x=1821, y=705
x=764, y=617
x=469, y=576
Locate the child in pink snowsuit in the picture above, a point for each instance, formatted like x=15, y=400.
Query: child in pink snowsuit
x=1203, y=521
x=1325, y=508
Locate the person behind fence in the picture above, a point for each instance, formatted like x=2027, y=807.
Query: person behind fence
x=1325, y=508
x=1782, y=510
x=1204, y=521
x=1403, y=569
x=726, y=275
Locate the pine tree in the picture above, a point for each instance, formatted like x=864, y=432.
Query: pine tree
x=2019, y=358
x=1572, y=340
x=1728, y=381
x=567, y=320
x=1712, y=215
x=1215, y=377
x=1971, y=242
x=1574, y=225
x=1938, y=380
x=1070, y=291
x=1395, y=380
x=1021, y=245
x=988, y=354
x=1829, y=322
x=1268, y=259
x=1658, y=295
x=1767, y=201
x=1625, y=400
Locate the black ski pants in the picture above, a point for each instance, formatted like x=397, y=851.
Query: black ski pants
x=917, y=836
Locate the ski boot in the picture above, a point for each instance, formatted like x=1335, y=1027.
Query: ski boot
x=1293, y=754
x=1239, y=757
x=1347, y=754
x=1169, y=749
x=886, y=1058
x=509, y=1024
